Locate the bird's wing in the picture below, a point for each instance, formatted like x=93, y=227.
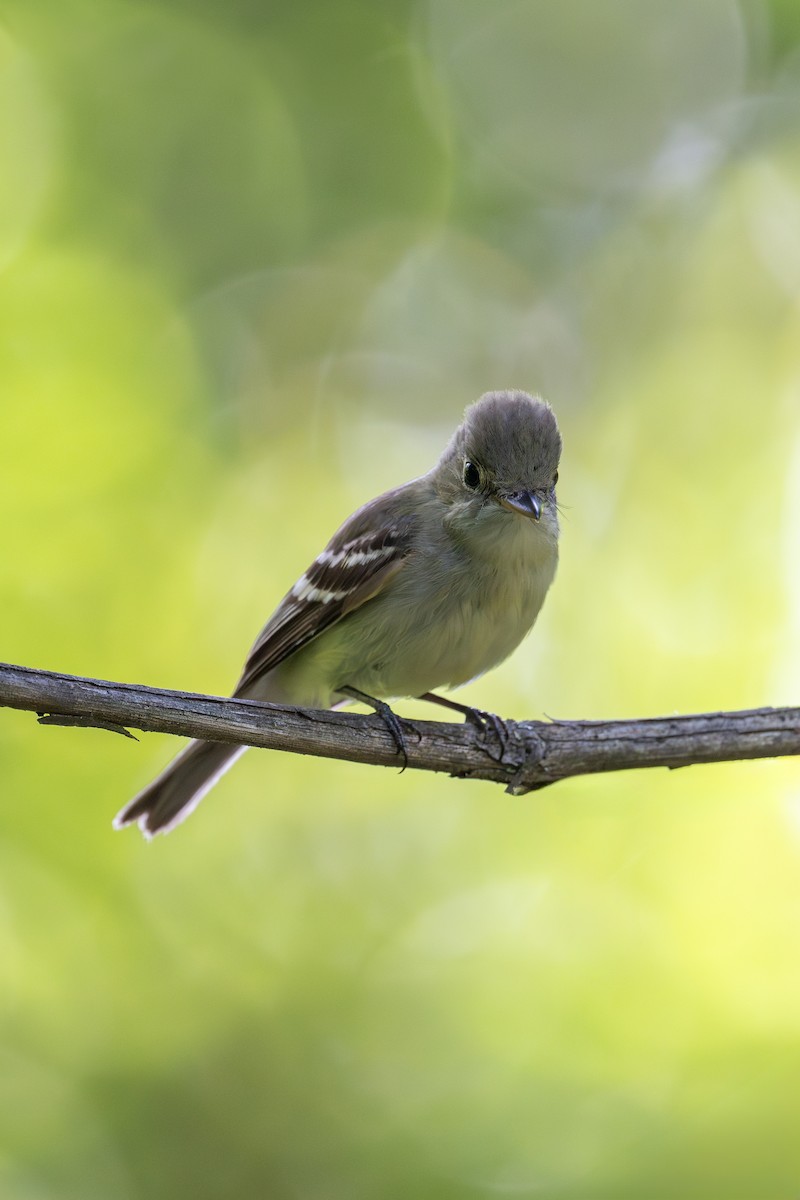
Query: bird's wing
x=353, y=568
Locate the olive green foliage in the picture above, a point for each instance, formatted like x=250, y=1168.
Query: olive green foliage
x=254, y=260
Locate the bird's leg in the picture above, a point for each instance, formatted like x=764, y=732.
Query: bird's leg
x=477, y=716
x=389, y=717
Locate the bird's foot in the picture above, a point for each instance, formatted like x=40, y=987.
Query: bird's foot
x=485, y=722
x=387, y=715
x=489, y=723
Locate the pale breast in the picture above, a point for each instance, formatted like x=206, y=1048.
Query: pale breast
x=449, y=630
x=498, y=613
x=440, y=624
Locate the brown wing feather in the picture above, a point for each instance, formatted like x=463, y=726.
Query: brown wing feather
x=349, y=572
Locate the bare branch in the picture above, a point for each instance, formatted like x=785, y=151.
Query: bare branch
x=522, y=755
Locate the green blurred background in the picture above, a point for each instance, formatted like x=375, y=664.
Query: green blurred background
x=255, y=259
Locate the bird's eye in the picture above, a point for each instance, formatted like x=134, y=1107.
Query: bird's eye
x=555, y=480
x=472, y=476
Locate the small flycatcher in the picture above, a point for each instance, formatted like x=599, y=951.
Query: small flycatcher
x=426, y=586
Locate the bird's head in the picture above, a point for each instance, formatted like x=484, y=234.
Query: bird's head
x=503, y=458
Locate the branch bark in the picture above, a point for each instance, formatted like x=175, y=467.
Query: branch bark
x=522, y=755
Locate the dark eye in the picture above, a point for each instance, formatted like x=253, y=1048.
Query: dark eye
x=555, y=480
x=472, y=476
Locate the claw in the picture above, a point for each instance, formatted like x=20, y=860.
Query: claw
x=387, y=715
x=483, y=720
x=486, y=721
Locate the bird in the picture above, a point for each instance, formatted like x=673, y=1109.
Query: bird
x=429, y=585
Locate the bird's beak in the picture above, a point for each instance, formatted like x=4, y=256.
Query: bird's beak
x=527, y=504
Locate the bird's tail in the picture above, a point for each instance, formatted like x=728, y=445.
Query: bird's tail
x=179, y=788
